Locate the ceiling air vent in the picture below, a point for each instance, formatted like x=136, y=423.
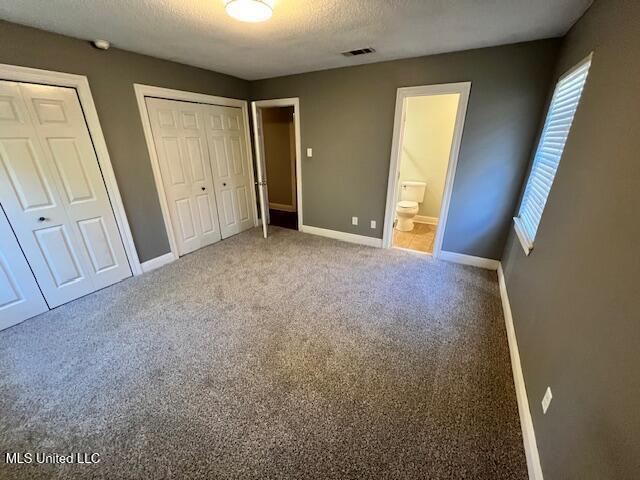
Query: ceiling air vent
x=360, y=51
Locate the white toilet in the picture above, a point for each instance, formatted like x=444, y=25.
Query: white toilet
x=411, y=194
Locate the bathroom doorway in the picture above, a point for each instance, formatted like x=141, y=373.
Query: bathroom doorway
x=277, y=140
x=426, y=142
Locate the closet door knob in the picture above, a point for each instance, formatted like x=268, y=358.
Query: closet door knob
x=43, y=219
x=224, y=184
x=203, y=189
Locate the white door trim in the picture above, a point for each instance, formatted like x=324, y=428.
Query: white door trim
x=462, y=88
x=81, y=85
x=284, y=102
x=143, y=91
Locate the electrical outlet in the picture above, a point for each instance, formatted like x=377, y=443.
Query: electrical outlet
x=373, y=224
x=546, y=400
x=354, y=220
x=309, y=152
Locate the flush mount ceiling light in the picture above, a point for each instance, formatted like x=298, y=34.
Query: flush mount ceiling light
x=249, y=10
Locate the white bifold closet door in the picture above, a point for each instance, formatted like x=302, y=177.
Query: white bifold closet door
x=204, y=169
x=20, y=297
x=181, y=146
x=231, y=168
x=53, y=192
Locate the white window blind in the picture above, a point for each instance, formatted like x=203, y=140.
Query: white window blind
x=557, y=125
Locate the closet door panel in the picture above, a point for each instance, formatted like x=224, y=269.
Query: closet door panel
x=63, y=133
x=225, y=134
x=97, y=240
x=34, y=207
x=25, y=170
x=20, y=297
x=54, y=195
x=185, y=168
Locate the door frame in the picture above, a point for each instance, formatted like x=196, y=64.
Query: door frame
x=81, y=85
x=283, y=102
x=462, y=88
x=142, y=91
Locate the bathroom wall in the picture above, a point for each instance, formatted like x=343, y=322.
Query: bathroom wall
x=428, y=133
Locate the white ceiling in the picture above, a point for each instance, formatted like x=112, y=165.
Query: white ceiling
x=302, y=35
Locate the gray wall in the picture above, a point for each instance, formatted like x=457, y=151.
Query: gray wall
x=576, y=298
x=347, y=117
x=111, y=77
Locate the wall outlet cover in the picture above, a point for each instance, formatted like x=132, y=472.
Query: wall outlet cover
x=546, y=400
x=309, y=152
x=354, y=220
x=373, y=224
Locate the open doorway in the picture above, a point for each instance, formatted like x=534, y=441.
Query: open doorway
x=277, y=141
x=427, y=134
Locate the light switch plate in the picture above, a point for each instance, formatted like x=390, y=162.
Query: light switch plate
x=309, y=152
x=354, y=220
x=546, y=400
x=373, y=224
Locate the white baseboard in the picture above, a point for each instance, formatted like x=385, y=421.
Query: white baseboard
x=158, y=262
x=487, y=263
x=344, y=236
x=282, y=207
x=427, y=220
x=526, y=423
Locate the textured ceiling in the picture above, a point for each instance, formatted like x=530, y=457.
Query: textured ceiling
x=302, y=35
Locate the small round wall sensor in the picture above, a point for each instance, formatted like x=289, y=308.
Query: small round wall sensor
x=101, y=44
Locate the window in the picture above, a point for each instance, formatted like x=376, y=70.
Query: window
x=549, y=152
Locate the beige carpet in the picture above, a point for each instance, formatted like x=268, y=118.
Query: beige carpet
x=294, y=357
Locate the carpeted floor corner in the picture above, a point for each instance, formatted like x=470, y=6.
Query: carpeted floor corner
x=292, y=357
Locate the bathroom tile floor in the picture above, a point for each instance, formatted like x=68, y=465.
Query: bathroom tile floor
x=421, y=238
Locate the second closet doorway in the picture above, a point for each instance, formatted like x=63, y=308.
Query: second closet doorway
x=205, y=170
x=276, y=130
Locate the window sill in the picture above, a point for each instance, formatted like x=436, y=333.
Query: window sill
x=527, y=245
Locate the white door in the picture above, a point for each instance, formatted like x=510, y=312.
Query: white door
x=231, y=168
x=181, y=144
x=53, y=192
x=263, y=193
x=20, y=297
